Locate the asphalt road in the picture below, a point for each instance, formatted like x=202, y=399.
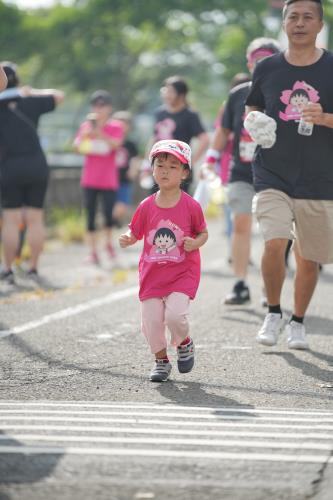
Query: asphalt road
x=79, y=418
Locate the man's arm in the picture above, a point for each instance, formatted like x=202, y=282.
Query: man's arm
x=58, y=95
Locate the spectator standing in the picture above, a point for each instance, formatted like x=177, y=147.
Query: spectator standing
x=23, y=167
x=98, y=138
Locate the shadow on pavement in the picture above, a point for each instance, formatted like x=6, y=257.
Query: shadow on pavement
x=193, y=394
x=18, y=468
x=309, y=369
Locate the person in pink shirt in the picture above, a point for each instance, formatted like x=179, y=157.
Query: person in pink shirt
x=174, y=228
x=98, y=138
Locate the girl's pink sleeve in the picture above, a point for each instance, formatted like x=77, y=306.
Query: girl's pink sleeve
x=137, y=223
x=198, y=220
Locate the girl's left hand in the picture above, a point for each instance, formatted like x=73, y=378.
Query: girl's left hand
x=190, y=244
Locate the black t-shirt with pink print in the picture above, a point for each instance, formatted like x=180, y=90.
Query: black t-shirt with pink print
x=301, y=166
x=243, y=146
x=183, y=125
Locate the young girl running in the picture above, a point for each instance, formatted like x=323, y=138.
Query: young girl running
x=173, y=227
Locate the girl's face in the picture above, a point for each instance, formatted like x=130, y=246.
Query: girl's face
x=168, y=171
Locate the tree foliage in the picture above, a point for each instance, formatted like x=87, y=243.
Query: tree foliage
x=130, y=46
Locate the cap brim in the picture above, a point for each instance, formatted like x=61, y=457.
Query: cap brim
x=172, y=153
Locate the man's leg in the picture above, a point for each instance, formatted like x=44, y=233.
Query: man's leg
x=12, y=218
x=241, y=241
x=35, y=234
x=273, y=269
x=240, y=195
x=305, y=283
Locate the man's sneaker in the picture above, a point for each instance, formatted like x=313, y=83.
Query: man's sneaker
x=296, y=336
x=7, y=277
x=185, y=354
x=240, y=295
x=270, y=330
x=161, y=371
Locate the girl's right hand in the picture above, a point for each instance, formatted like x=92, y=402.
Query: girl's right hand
x=125, y=240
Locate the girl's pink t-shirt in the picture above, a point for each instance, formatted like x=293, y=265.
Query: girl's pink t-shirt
x=100, y=171
x=164, y=265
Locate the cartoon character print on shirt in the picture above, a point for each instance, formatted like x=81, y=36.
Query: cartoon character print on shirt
x=166, y=242
x=165, y=129
x=246, y=145
x=301, y=94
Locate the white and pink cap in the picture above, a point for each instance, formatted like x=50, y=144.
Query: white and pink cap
x=181, y=150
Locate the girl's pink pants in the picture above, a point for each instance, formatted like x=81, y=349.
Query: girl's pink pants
x=158, y=313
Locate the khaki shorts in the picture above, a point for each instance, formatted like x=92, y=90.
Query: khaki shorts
x=309, y=221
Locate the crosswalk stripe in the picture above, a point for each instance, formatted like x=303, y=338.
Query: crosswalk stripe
x=177, y=423
x=193, y=416
x=164, y=407
x=138, y=452
x=167, y=441
x=141, y=430
x=158, y=430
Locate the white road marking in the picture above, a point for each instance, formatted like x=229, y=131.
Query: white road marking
x=172, y=432
x=167, y=441
x=216, y=416
x=137, y=452
x=163, y=407
x=70, y=311
x=177, y=423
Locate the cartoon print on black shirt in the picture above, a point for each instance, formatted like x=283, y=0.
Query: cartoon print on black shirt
x=301, y=94
x=165, y=129
x=165, y=240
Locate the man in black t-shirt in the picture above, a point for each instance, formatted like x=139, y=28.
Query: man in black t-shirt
x=176, y=120
x=23, y=167
x=293, y=177
x=240, y=190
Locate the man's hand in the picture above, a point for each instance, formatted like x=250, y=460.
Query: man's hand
x=261, y=128
x=313, y=113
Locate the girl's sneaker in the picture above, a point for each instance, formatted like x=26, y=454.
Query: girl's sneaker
x=161, y=371
x=185, y=354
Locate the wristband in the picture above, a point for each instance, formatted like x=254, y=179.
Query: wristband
x=212, y=155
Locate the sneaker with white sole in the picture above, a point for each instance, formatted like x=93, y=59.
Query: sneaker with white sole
x=296, y=336
x=185, y=355
x=270, y=330
x=161, y=371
